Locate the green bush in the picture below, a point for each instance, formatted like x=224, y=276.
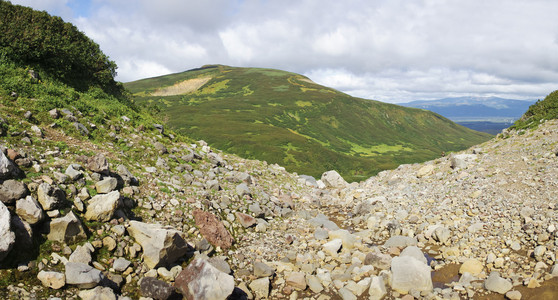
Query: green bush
x=546, y=109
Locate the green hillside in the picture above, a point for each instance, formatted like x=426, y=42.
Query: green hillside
x=546, y=109
x=286, y=118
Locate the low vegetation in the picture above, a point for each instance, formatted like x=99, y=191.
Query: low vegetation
x=546, y=109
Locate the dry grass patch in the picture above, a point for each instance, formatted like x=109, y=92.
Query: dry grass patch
x=183, y=87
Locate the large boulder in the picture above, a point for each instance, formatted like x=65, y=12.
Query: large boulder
x=161, y=245
x=461, y=161
x=213, y=229
x=7, y=236
x=82, y=275
x=66, y=229
x=50, y=197
x=98, y=164
x=202, y=281
x=332, y=179
x=51, y=279
x=12, y=190
x=103, y=206
x=410, y=273
x=29, y=210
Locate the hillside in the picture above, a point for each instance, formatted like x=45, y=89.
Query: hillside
x=285, y=118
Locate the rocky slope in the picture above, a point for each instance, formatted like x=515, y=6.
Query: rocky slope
x=145, y=215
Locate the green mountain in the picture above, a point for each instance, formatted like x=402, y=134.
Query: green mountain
x=285, y=118
x=546, y=109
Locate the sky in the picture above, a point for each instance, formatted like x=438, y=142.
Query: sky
x=389, y=50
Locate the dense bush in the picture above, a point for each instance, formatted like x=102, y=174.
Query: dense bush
x=546, y=109
x=55, y=48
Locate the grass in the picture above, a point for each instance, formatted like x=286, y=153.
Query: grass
x=256, y=113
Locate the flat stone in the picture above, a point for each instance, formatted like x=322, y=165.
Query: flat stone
x=213, y=229
x=263, y=270
x=513, y=295
x=156, y=289
x=296, y=280
x=121, y=264
x=106, y=185
x=495, y=283
x=245, y=220
x=82, y=275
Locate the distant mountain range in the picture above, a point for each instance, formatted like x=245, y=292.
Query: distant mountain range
x=286, y=118
x=487, y=114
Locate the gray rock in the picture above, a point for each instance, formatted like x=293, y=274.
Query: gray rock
x=81, y=128
x=29, y=210
x=7, y=237
x=212, y=185
x=378, y=260
x=216, y=159
x=66, y=229
x=103, y=206
x=82, y=275
x=106, y=185
x=242, y=190
x=400, y=241
x=82, y=254
x=308, y=180
x=98, y=164
x=415, y=252
x=121, y=264
x=332, y=179
x=220, y=263
x=161, y=245
x=50, y=197
x=346, y=294
x=409, y=273
x=98, y=293
x=201, y=280
x=314, y=284
x=7, y=168
x=156, y=289
x=51, y=279
x=495, y=283
x=323, y=221
x=332, y=247
x=73, y=172
x=262, y=270
x=126, y=175
x=260, y=287
x=296, y=280
x=461, y=161
x=161, y=148
x=377, y=289
x=441, y=234
x=321, y=234
x=12, y=190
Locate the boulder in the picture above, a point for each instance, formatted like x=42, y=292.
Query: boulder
x=200, y=280
x=377, y=289
x=82, y=275
x=332, y=179
x=30, y=210
x=121, y=264
x=73, y=172
x=212, y=229
x=98, y=164
x=12, y=190
x=156, y=289
x=260, y=287
x=7, y=168
x=332, y=247
x=98, y=293
x=495, y=283
x=51, y=279
x=126, y=175
x=102, y=207
x=66, y=229
x=415, y=252
x=242, y=190
x=82, y=254
x=297, y=280
x=262, y=270
x=472, y=266
x=7, y=236
x=461, y=161
x=410, y=273
x=50, y=197
x=161, y=245
x=106, y=185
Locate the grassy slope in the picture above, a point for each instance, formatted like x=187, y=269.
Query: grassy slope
x=546, y=109
x=283, y=118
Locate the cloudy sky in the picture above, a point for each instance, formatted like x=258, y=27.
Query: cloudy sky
x=388, y=50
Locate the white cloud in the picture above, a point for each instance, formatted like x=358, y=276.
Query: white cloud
x=393, y=50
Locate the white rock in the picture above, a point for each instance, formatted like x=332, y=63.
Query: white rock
x=29, y=210
x=98, y=293
x=103, y=206
x=7, y=236
x=377, y=289
x=410, y=273
x=332, y=179
x=495, y=283
x=332, y=247
x=53, y=280
x=260, y=287
x=415, y=252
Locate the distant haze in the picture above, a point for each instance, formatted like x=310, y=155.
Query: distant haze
x=393, y=51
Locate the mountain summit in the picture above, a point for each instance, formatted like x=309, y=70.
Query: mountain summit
x=286, y=118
